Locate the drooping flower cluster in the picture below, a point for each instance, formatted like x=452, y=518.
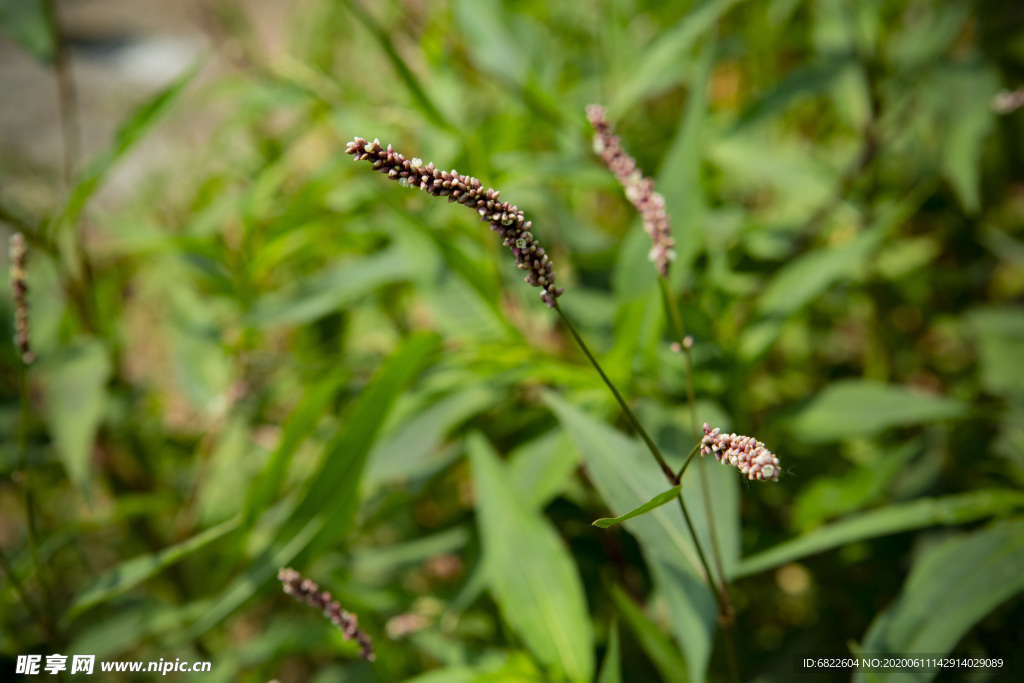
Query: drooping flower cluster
x=19, y=288
x=506, y=219
x=639, y=190
x=308, y=592
x=745, y=453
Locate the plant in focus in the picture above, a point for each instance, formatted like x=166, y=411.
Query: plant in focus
x=748, y=455
x=250, y=354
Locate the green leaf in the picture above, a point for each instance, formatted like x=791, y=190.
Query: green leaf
x=485, y=29
x=804, y=81
x=220, y=491
x=530, y=571
x=720, y=512
x=333, y=492
x=379, y=561
x=805, y=278
x=128, y=135
x=799, y=183
x=655, y=643
x=451, y=674
x=541, y=467
x=131, y=573
x=859, y=407
x=414, y=450
x=74, y=395
x=1000, y=336
x=300, y=426
x=202, y=366
x=918, y=514
x=611, y=668
x=475, y=271
x=328, y=508
x=257, y=575
x=810, y=275
x=693, y=614
x=405, y=74
x=322, y=293
x=826, y=498
x=659, y=66
x=950, y=588
x=969, y=117
x=25, y=21
x=657, y=501
x=626, y=475
x=132, y=624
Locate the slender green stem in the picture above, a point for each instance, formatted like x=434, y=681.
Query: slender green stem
x=723, y=605
x=718, y=591
x=689, y=458
x=622, y=403
x=680, y=334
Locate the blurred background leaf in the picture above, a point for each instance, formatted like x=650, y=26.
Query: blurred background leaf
x=951, y=587
x=26, y=23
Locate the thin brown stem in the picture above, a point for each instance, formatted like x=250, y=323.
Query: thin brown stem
x=66, y=93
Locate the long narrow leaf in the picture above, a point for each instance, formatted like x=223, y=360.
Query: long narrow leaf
x=918, y=514
x=531, y=573
x=681, y=168
x=655, y=643
x=625, y=476
x=324, y=292
x=655, y=502
x=130, y=133
x=611, y=667
x=693, y=613
x=860, y=407
x=951, y=587
x=256, y=576
x=406, y=74
x=659, y=65
x=298, y=428
x=131, y=573
x=333, y=489
x=329, y=506
x=75, y=393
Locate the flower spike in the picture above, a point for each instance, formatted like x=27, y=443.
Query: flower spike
x=505, y=219
x=19, y=286
x=308, y=592
x=639, y=190
x=745, y=453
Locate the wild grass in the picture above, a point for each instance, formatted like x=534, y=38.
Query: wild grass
x=269, y=358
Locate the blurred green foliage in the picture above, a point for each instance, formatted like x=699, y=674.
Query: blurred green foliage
x=271, y=357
